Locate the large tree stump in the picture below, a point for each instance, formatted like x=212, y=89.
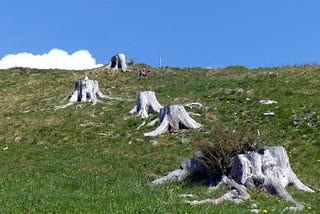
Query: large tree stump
x=173, y=118
x=85, y=91
x=146, y=104
x=267, y=167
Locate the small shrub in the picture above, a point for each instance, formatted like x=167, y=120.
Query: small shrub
x=225, y=144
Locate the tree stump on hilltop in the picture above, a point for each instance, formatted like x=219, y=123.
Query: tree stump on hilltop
x=146, y=104
x=85, y=91
x=119, y=62
x=173, y=118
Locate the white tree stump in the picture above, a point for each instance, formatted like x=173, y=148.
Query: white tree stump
x=173, y=118
x=119, y=62
x=267, y=167
x=146, y=104
x=85, y=91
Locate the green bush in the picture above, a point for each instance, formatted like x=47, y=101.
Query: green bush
x=225, y=144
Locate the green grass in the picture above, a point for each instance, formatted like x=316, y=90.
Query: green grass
x=49, y=163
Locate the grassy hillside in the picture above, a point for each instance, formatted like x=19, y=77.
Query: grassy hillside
x=94, y=160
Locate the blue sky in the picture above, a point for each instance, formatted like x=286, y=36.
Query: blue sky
x=204, y=33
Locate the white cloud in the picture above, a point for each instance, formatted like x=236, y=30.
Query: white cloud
x=55, y=59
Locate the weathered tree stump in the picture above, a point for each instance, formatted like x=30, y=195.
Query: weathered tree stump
x=268, y=168
x=173, y=118
x=146, y=104
x=85, y=91
x=119, y=62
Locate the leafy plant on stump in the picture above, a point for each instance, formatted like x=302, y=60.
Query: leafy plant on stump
x=225, y=144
